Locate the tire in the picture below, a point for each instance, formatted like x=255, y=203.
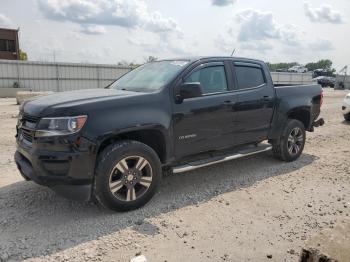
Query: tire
x=127, y=175
x=292, y=141
x=347, y=117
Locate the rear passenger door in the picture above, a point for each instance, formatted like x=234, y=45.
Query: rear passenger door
x=254, y=108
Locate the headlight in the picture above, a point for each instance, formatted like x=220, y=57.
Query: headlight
x=347, y=97
x=59, y=126
x=19, y=117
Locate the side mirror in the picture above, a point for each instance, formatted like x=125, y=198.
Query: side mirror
x=190, y=90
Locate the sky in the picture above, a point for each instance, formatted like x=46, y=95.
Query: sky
x=110, y=31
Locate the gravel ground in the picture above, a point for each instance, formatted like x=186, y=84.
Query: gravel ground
x=251, y=209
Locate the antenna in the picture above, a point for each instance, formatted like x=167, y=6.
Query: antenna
x=234, y=50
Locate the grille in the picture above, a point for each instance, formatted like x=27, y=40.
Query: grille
x=29, y=123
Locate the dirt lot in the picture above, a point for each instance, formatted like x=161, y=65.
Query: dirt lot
x=253, y=209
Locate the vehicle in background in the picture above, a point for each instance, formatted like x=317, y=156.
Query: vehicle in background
x=297, y=69
x=282, y=70
x=321, y=72
x=325, y=81
x=175, y=115
x=346, y=107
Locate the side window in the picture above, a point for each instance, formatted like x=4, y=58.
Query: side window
x=212, y=79
x=248, y=77
x=7, y=45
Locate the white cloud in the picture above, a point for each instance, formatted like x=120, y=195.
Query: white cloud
x=323, y=14
x=223, y=2
x=5, y=21
x=123, y=13
x=321, y=45
x=291, y=35
x=93, y=30
x=93, y=16
x=257, y=31
x=160, y=44
x=255, y=25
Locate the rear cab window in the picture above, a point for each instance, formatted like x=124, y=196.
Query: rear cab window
x=249, y=75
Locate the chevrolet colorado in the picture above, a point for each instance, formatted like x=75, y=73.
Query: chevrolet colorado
x=112, y=144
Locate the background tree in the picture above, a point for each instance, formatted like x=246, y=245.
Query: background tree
x=151, y=59
x=125, y=63
x=324, y=64
x=23, y=55
x=274, y=67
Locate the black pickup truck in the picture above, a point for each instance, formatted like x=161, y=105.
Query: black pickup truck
x=113, y=144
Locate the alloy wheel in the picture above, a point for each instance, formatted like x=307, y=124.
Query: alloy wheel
x=130, y=178
x=295, y=141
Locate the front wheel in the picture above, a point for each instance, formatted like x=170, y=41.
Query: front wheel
x=292, y=141
x=127, y=175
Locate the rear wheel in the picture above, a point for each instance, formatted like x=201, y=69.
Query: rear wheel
x=291, y=144
x=127, y=175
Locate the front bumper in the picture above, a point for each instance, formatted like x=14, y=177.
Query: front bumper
x=58, y=164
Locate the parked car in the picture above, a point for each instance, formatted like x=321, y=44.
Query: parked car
x=321, y=72
x=281, y=70
x=298, y=69
x=177, y=115
x=325, y=81
x=346, y=107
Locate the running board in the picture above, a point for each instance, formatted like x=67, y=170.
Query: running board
x=216, y=160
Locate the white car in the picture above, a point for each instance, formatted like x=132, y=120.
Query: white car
x=346, y=107
x=298, y=69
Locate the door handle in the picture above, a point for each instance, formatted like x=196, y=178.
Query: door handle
x=229, y=102
x=267, y=98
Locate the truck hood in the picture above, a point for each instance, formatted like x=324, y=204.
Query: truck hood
x=51, y=104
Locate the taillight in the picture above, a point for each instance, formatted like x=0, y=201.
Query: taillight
x=321, y=101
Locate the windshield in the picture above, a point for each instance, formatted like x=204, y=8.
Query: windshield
x=149, y=77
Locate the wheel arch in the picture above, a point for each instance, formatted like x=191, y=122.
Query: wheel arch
x=154, y=137
x=303, y=114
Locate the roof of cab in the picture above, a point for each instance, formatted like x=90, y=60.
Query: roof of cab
x=197, y=58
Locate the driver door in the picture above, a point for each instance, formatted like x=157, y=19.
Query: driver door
x=205, y=123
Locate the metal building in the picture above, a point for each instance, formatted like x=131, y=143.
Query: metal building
x=9, y=45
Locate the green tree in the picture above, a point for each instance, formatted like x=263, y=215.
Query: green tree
x=23, y=55
x=274, y=67
x=324, y=64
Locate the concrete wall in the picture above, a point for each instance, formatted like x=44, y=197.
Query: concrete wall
x=11, y=92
